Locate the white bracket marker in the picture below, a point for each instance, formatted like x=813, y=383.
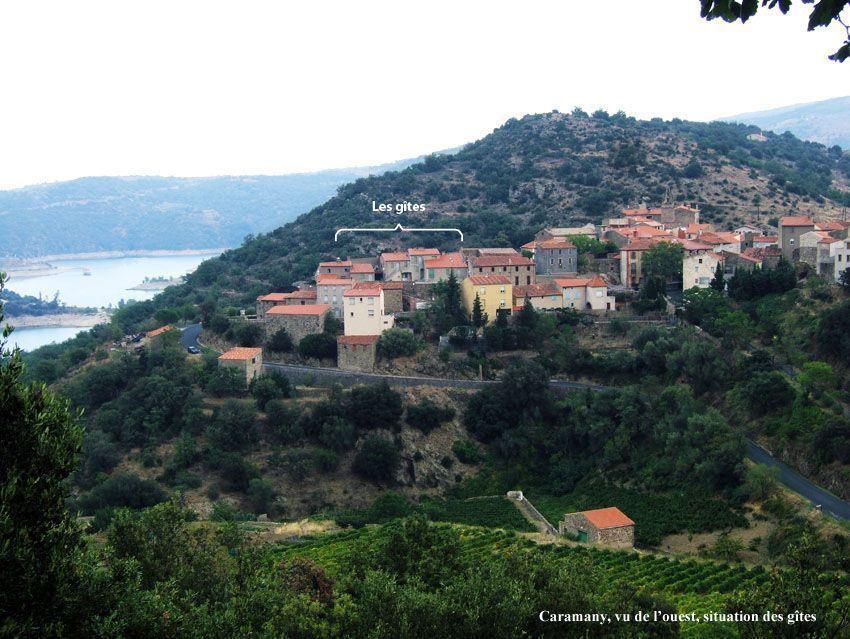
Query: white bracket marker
x=398, y=227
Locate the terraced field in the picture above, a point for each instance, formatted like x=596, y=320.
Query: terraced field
x=692, y=586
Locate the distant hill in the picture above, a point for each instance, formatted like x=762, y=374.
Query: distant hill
x=146, y=213
x=827, y=122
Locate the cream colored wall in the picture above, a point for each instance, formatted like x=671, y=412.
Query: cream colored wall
x=696, y=268
x=574, y=297
x=598, y=298
x=356, y=316
x=493, y=297
x=543, y=303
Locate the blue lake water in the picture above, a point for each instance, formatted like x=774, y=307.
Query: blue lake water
x=108, y=284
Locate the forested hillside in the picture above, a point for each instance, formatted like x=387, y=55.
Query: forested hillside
x=549, y=169
x=129, y=213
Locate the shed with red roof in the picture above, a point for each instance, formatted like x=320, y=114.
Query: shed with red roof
x=604, y=526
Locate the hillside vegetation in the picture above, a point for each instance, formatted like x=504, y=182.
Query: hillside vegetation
x=542, y=170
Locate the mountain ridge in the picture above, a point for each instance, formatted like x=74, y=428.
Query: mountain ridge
x=824, y=121
x=125, y=213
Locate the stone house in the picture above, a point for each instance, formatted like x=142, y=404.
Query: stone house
x=395, y=266
x=416, y=260
x=357, y=352
x=393, y=296
x=362, y=272
x=563, y=233
x=555, y=257
x=791, y=228
x=329, y=290
x=365, y=310
x=603, y=526
x=299, y=321
x=339, y=268
x=814, y=249
x=698, y=269
x=521, y=270
x=840, y=253
x=247, y=360
x=295, y=298
x=438, y=269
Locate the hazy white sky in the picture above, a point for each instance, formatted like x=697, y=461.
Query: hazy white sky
x=210, y=88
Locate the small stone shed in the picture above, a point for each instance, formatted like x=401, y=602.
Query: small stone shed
x=603, y=526
x=357, y=352
x=248, y=360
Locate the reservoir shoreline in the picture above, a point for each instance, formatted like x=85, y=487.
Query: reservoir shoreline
x=21, y=261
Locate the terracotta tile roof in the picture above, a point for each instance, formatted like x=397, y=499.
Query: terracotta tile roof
x=394, y=257
x=796, y=220
x=698, y=228
x=607, y=518
x=529, y=246
x=690, y=245
x=766, y=239
x=309, y=294
x=572, y=282
x=448, y=260
x=272, y=297
x=362, y=267
x=306, y=309
x=364, y=289
x=535, y=290
x=597, y=281
x=643, y=230
x=335, y=263
x=159, y=331
x=241, y=353
x=827, y=240
x=423, y=251
x=514, y=259
x=484, y=280
x=497, y=251
x=323, y=277
x=357, y=340
x=830, y=225
x=638, y=244
x=641, y=211
x=747, y=257
x=335, y=281
x=391, y=286
x=555, y=244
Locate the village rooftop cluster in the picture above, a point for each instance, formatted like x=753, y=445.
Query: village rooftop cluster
x=368, y=293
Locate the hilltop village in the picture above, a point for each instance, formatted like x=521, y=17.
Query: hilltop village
x=585, y=269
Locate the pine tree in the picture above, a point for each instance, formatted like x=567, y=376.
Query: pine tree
x=719, y=282
x=477, y=313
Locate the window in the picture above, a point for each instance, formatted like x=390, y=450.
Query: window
x=482, y=290
x=502, y=289
x=351, y=301
x=371, y=312
x=371, y=301
x=502, y=303
x=700, y=260
x=430, y=274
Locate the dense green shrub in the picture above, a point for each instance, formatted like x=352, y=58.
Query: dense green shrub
x=466, y=452
x=318, y=346
x=269, y=386
x=374, y=406
x=280, y=342
x=226, y=381
x=377, y=460
x=428, y=415
x=233, y=426
x=397, y=342
x=121, y=490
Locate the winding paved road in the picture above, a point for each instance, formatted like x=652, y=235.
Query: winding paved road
x=829, y=503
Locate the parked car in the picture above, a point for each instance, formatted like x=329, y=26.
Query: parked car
x=194, y=350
